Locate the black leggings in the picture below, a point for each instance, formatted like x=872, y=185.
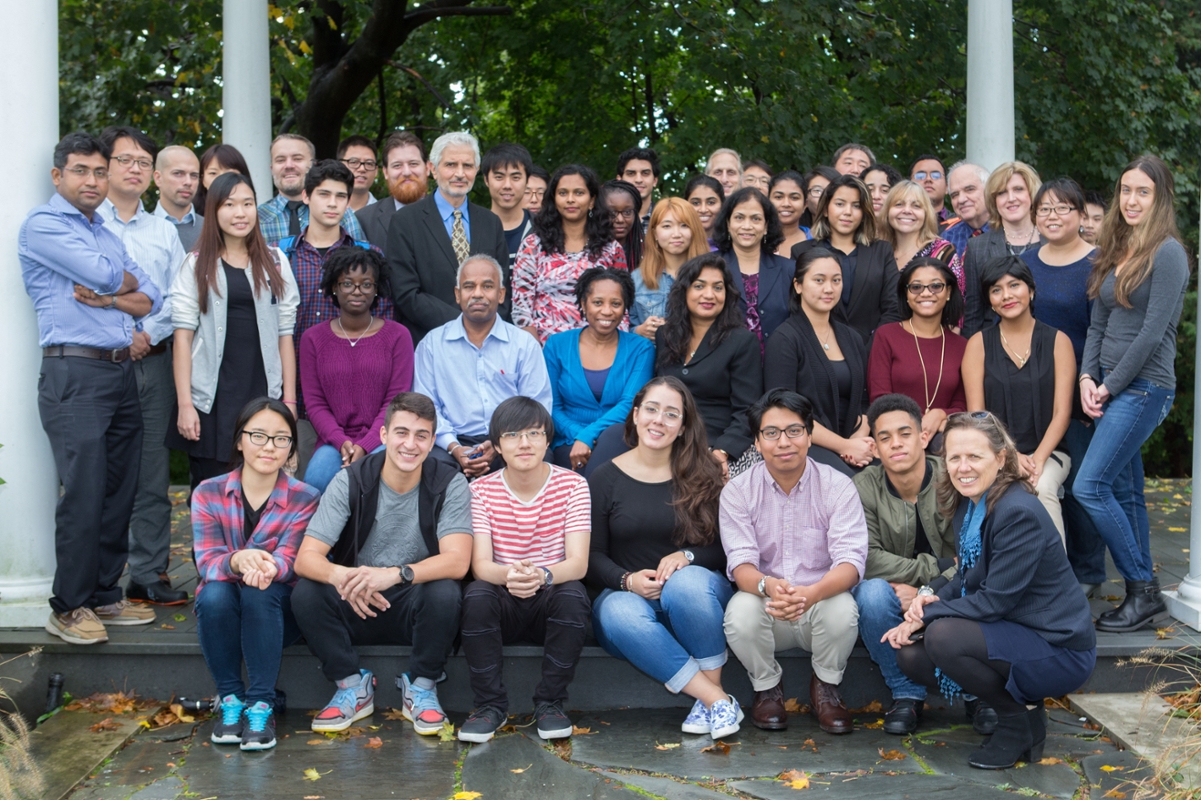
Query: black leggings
x=957, y=647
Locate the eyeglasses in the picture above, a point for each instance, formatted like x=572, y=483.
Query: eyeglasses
x=350, y=286
x=101, y=173
x=537, y=194
x=258, y=438
x=627, y=214
x=533, y=435
x=355, y=163
x=792, y=432
x=125, y=161
x=1060, y=210
x=921, y=176
x=917, y=288
x=816, y=193
x=652, y=410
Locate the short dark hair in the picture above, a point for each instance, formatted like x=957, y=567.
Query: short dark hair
x=886, y=404
x=351, y=258
x=780, y=398
x=538, y=172
x=415, y=403
x=1065, y=189
x=112, y=133
x=998, y=268
x=355, y=141
x=638, y=154
x=328, y=170
x=721, y=225
x=79, y=144
x=952, y=312
x=592, y=275
x=829, y=173
x=890, y=172
x=927, y=157
x=507, y=154
x=871, y=157
x=401, y=139
x=249, y=410
x=704, y=180
x=757, y=162
x=519, y=414
x=1094, y=198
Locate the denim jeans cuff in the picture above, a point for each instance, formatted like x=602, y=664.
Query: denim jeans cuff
x=713, y=662
x=681, y=678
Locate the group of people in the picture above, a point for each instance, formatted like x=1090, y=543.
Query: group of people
x=784, y=410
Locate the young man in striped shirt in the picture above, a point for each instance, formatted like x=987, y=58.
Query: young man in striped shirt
x=532, y=523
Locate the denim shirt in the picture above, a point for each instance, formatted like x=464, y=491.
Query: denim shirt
x=649, y=302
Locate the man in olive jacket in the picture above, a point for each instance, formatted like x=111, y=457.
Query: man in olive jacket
x=910, y=544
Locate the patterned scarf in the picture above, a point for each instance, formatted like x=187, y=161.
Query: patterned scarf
x=969, y=552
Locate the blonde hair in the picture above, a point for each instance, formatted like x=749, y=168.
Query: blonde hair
x=654, y=260
x=999, y=442
x=999, y=179
x=904, y=190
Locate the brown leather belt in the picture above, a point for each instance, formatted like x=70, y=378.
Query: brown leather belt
x=59, y=350
x=157, y=349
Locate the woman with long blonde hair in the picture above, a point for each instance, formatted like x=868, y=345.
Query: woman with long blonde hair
x=909, y=223
x=674, y=236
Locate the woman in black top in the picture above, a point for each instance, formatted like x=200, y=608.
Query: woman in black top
x=825, y=360
x=656, y=558
x=1012, y=627
x=1024, y=372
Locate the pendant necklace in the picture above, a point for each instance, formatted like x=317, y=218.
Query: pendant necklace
x=1020, y=359
x=941, y=361
x=353, y=342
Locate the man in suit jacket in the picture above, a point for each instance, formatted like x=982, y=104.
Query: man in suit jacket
x=407, y=176
x=427, y=241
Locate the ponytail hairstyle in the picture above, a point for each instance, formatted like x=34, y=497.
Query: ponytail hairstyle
x=264, y=270
x=999, y=441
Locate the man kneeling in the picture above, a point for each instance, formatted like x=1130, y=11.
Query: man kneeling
x=381, y=564
x=532, y=525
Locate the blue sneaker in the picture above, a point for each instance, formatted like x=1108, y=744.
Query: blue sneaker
x=421, y=707
x=228, y=729
x=724, y=717
x=697, y=720
x=259, y=733
x=349, y=704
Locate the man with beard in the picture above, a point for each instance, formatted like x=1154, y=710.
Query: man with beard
x=286, y=214
x=403, y=160
x=428, y=240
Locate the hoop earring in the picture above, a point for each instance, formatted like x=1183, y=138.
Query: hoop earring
x=590, y=213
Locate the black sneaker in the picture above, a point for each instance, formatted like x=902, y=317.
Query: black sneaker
x=903, y=718
x=482, y=724
x=552, y=722
x=259, y=733
x=227, y=729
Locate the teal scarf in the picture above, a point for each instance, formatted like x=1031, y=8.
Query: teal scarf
x=969, y=552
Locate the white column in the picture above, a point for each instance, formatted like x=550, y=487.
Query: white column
x=29, y=126
x=990, y=127
x=246, y=88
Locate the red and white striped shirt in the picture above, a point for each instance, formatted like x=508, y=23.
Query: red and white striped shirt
x=535, y=530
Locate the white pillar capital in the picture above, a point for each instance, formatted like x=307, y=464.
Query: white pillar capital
x=990, y=118
x=246, y=88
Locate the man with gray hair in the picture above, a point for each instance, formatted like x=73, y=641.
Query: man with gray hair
x=475, y=362
x=428, y=240
x=965, y=187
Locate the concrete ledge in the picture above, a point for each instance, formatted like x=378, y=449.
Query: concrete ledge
x=1144, y=724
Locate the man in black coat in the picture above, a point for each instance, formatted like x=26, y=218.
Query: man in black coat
x=429, y=239
x=407, y=176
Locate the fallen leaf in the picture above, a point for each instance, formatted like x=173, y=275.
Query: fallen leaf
x=180, y=714
x=106, y=724
x=717, y=748
x=1115, y=794
x=180, y=618
x=311, y=774
x=374, y=743
x=1164, y=633
x=669, y=746
x=447, y=732
x=578, y=731
x=394, y=714
x=798, y=784
x=167, y=627
x=790, y=775
x=1107, y=768
x=171, y=764
x=519, y=771
x=466, y=796
x=879, y=723
x=1049, y=761
x=874, y=707
x=891, y=755
x=792, y=706
x=809, y=743
x=602, y=722
x=317, y=741
x=1110, y=598
x=314, y=797
x=1178, y=530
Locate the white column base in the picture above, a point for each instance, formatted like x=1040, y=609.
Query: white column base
x=25, y=613
x=1186, y=609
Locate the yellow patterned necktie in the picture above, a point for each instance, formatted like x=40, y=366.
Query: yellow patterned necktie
x=458, y=238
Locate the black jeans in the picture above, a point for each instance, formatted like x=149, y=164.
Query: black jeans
x=423, y=615
x=93, y=418
x=554, y=618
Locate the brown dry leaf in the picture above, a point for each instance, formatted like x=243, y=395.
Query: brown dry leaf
x=792, y=706
x=180, y=714
x=717, y=748
x=374, y=743
x=167, y=627
x=874, y=707
x=668, y=746
x=317, y=741
x=1049, y=761
x=790, y=775
x=578, y=731
x=106, y=724
x=523, y=769
x=1115, y=794
x=111, y=703
x=891, y=755
x=394, y=714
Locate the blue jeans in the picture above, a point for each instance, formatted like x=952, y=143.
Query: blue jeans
x=324, y=465
x=1110, y=482
x=672, y=638
x=236, y=621
x=879, y=612
x=1086, y=549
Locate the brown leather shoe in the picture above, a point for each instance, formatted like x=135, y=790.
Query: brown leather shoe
x=826, y=704
x=767, y=712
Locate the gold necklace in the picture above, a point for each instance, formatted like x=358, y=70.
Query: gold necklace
x=942, y=360
x=1020, y=359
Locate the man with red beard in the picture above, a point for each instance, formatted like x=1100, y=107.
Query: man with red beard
x=405, y=170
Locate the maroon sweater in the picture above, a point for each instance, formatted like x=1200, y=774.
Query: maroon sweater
x=894, y=367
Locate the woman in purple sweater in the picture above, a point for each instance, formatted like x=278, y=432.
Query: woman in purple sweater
x=352, y=366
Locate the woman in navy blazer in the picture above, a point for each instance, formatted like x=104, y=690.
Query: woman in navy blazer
x=595, y=371
x=747, y=233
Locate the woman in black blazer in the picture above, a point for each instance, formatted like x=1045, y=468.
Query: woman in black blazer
x=815, y=355
x=1013, y=626
x=845, y=225
x=747, y=232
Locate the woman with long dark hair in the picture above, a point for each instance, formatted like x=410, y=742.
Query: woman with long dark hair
x=656, y=557
x=622, y=200
x=215, y=162
x=233, y=305
x=572, y=233
x=747, y=233
x=705, y=194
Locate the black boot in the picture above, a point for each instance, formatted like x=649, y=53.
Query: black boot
x=1143, y=606
x=1010, y=743
x=982, y=716
x=1037, y=718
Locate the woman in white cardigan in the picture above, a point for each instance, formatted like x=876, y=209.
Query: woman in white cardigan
x=234, y=307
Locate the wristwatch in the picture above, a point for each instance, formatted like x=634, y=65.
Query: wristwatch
x=925, y=591
x=688, y=554
x=763, y=586
x=406, y=575
x=548, y=577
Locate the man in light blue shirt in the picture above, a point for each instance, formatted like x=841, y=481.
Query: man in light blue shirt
x=473, y=363
x=88, y=294
x=154, y=245
x=177, y=176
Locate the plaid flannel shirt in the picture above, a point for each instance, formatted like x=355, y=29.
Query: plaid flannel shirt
x=273, y=220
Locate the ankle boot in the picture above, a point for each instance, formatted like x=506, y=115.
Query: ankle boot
x=1010, y=743
x=1037, y=717
x=1143, y=606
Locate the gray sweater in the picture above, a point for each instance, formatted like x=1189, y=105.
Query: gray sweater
x=1140, y=341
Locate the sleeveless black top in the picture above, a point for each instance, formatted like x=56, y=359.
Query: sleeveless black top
x=1023, y=399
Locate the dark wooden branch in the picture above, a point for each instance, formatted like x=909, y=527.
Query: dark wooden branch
x=328, y=44
x=433, y=90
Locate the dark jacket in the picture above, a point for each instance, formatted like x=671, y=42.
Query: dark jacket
x=725, y=382
x=1022, y=575
x=874, y=292
x=795, y=360
x=977, y=311
x=775, y=276
x=422, y=265
x=375, y=220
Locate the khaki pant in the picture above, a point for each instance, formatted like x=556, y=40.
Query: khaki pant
x=828, y=630
x=1050, y=484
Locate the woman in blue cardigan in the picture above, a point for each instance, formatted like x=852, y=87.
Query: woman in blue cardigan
x=595, y=371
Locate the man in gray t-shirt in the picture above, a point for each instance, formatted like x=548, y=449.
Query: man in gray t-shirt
x=381, y=563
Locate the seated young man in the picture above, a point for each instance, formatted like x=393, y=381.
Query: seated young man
x=381, y=563
x=532, y=523
x=910, y=544
x=795, y=542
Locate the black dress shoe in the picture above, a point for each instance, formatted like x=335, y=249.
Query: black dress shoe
x=982, y=716
x=903, y=718
x=156, y=594
x=1143, y=606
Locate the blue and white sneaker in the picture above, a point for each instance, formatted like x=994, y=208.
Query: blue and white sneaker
x=228, y=728
x=259, y=733
x=421, y=707
x=724, y=717
x=697, y=720
x=349, y=704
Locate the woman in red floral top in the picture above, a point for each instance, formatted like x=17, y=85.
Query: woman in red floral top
x=571, y=234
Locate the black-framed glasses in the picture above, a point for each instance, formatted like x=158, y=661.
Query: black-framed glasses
x=935, y=287
x=626, y=214
x=534, y=435
x=1061, y=210
x=349, y=286
x=355, y=163
x=792, y=432
x=921, y=176
x=258, y=438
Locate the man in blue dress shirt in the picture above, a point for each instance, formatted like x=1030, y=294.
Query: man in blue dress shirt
x=89, y=295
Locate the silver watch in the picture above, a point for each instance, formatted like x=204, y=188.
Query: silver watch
x=688, y=554
x=763, y=586
x=925, y=591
